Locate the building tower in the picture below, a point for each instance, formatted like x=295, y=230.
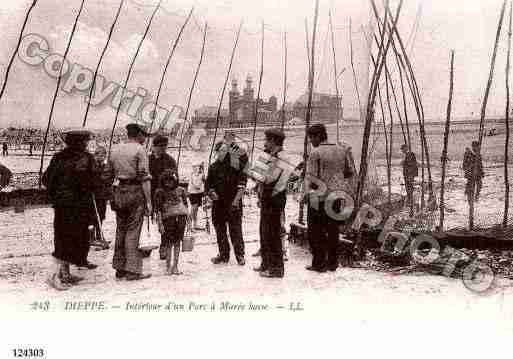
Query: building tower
x=249, y=93
x=233, y=99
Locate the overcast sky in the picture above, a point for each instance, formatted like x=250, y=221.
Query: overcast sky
x=431, y=28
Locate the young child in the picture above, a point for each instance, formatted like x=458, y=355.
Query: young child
x=172, y=214
x=196, y=191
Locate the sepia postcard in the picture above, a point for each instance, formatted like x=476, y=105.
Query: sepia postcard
x=293, y=178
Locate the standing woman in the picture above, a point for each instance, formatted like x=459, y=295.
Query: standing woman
x=196, y=192
x=71, y=179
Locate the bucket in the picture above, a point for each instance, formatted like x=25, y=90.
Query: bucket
x=188, y=243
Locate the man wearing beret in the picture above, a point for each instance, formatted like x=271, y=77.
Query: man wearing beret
x=272, y=199
x=128, y=165
x=159, y=162
x=225, y=186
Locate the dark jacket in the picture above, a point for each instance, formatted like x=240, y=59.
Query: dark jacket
x=157, y=166
x=472, y=165
x=71, y=178
x=226, y=175
x=410, y=166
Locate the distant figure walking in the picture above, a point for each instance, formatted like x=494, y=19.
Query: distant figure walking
x=410, y=171
x=5, y=149
x=473, y=172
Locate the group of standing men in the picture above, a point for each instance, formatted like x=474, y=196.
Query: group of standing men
x=329, y=163
x=78, y=187
x=77, y=182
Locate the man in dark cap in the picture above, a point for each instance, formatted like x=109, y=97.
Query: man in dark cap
x=225, y=185
x=128, y=166
x=331, y=165
x=272, y=199
x=473, y=172
x=71, y=180
x=159, y=162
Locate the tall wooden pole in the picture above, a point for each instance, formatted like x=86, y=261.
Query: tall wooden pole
x=391, y=142
x=11, y=61
x=257, y=102
x=162, y=79
x=307, y=34
x=446, y=142
x=311, y=74
x=383, y=49
x=218, y=116
x=407, y=125
x=335, y=74
x=355, y=79
x=388, y=80
x=415, y=92
x=129, y=73
x=100, y=61
x=387, y=149
x=190, y=95
x=506, y=142
x=50, y=116
x=490, y=75
x=284, y=81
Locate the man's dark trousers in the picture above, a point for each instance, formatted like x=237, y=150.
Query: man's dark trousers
x=221, y=218
x=270, y=240
x=323, y=233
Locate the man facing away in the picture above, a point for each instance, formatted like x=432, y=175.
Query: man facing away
x=272, y=200
x=473, y=172
x=160, y=161
x=410, y=171
x=128, y=165
x=331, y=166
x=225, y=185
